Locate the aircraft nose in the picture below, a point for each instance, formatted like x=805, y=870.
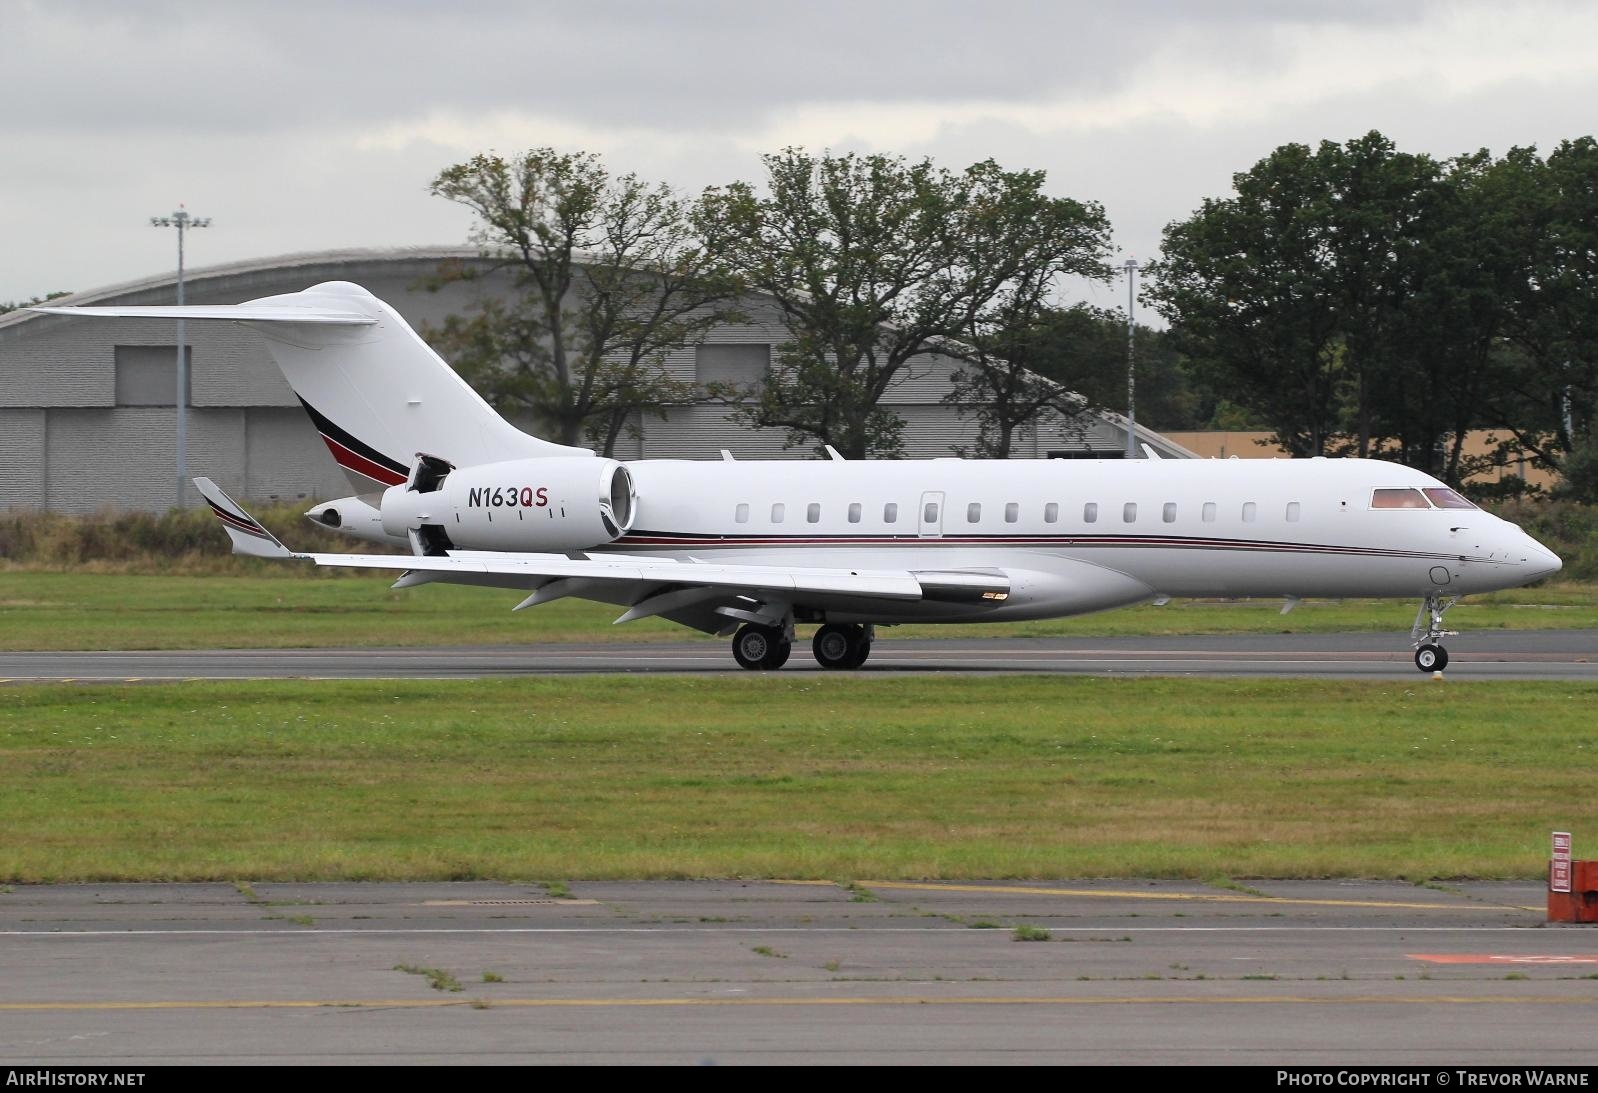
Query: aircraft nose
x=1539, y=561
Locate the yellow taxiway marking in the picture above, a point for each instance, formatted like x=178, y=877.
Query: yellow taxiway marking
x=862, y=1000
x=1184, y=897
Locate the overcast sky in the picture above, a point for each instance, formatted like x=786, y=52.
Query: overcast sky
x=306, y=126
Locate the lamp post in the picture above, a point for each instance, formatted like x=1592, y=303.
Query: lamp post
x=182, y=221
x=1131, y=361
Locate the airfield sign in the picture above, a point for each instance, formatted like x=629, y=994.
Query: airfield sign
x=1559, y=871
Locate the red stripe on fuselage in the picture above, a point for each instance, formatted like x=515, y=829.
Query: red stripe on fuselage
x=358, y=463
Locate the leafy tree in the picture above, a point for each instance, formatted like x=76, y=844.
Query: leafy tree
x=1553, y=319
x=13, y=305
x=1061, y=363
x=609, y=280
x=1446, y=362
x=1361, y=298
x=874, y=260
x=1243, y=284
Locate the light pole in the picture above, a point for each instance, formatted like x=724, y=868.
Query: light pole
x=182, y=221
x=1131, y=362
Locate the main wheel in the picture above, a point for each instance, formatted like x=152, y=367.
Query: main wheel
x=1431, y=658
x=781, y=649
x=837, y=645
x=862, y=651
x=757, y=647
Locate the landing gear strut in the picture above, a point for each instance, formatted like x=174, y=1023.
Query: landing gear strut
x=837, y=645
x=761, y=647
x=1427, y=634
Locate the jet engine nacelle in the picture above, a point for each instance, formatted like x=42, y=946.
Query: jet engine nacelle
x=535, y=505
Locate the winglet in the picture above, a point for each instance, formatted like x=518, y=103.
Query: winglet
x=247, y=533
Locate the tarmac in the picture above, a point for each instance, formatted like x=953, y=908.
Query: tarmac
x=1482, y=655
x=727, y=972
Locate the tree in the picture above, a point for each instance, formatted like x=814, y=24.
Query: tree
x=1444, y=346
x=874, y=260
x=13, y=305
x=609, y=280
x=1355, y=295
x=1243, y=284
x=1553, y=319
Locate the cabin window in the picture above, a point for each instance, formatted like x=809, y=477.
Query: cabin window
x=1051, y=513
x=1445, y=498
x=854, y=512
x=813, y=512
x=1012, y=512
x=1168, y=514
x=1292, y=512
x=973, y=512
x=1090, y=512
x=1208, y=515
x=778, y=511
x=1398, y=499
x=890, y=513
x=1129, y=512
x=929, y=515
x=741, y=514
x=1250, y=510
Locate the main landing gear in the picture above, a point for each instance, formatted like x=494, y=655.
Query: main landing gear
x=842, y=646
x=1428, y=633
x=759, y=647
x=763, y=648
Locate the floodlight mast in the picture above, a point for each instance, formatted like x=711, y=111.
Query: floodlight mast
x=1131, y=361
x=182, y=221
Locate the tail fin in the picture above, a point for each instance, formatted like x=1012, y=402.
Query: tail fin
x=376, y=392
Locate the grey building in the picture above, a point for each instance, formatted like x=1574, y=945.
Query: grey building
x=87, y=415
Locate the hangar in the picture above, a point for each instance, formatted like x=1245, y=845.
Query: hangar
x=87, y=417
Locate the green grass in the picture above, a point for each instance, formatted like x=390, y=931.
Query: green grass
x=804, y=776
x=81, y=610
x=437, y=978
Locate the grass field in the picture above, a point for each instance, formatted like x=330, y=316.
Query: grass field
x=822, y=777
x=87, y=610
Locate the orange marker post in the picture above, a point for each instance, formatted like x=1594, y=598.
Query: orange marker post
x=1572, y=885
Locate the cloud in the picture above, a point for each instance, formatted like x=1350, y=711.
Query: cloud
x=299, y=124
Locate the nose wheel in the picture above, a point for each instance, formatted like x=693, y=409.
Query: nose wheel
x=1428, y=633
x=1431, y=658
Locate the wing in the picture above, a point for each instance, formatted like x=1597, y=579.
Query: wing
x=712, y=597
x=237, y=313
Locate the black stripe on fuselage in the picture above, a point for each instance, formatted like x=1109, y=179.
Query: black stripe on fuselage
x=328, y=429
x=682, y=540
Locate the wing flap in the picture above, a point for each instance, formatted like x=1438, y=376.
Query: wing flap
x=874, y=584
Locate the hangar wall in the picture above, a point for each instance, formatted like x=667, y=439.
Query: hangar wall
x=84, y=426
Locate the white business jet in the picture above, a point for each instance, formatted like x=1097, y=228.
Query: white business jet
x=751, y=548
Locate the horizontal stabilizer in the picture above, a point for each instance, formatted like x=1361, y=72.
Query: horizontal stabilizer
x=238, y=313
x=247, y=533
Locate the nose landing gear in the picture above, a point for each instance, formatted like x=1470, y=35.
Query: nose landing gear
x=1427, y=633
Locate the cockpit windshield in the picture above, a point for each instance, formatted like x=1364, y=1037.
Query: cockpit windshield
x=1398, y=498
x=1445, y=498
